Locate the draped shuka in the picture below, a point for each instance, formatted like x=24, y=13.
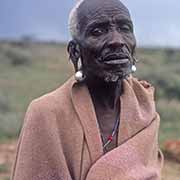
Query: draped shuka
x=60, y=138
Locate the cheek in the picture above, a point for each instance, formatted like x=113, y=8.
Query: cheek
x=94, y=44
x=87, y=53
x=131, y=41
x=90, y=52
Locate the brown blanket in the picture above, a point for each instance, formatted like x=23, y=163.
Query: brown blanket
x=60, y=139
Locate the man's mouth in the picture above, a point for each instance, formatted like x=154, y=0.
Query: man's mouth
x=116, y=59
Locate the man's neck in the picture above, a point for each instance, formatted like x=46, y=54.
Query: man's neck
x=104, y=93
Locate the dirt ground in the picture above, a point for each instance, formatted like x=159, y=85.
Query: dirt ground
x=7, y=154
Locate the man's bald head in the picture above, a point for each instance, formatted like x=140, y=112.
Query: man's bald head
x=87, y=9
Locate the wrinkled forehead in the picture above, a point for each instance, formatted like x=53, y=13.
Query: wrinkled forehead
x=90, y=10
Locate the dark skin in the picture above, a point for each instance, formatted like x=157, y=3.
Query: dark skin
x=106, y=46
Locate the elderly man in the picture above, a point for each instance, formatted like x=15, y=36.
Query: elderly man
x=102, y=123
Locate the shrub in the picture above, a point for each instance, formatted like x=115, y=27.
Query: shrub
x=4, y=168
x=18, y=57
x=10, y=125
x=4, y=104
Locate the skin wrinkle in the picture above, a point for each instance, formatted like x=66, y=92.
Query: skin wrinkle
x=116, y=19
x=104, y=6
x=109, y=18
x=93, y=8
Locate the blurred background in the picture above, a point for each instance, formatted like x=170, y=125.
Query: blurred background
x=33, y=61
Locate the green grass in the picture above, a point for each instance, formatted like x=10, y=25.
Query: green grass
x=6, y=178
x=4, y=168
x=44, y=67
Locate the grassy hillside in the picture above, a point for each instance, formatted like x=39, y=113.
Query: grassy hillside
x=29, y=70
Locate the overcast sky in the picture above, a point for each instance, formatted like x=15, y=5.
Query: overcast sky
x=157, y=22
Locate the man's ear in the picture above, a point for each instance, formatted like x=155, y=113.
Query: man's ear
x=74, y=53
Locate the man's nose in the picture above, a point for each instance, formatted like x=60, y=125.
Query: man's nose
x=116, y=40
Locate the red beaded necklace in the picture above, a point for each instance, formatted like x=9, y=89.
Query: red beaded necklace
x=110, y=138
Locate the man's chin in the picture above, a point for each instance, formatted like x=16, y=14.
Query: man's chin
x=116, y=76
x=108, y=76
x=113, y=77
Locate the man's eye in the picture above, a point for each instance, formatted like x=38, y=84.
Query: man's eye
x=98, y=31
x=125, y=28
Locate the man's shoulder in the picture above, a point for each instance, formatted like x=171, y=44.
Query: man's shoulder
x=141, y=87
x=134, y=81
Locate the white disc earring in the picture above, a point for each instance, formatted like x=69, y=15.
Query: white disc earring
x=133, y=68
x=79, y=76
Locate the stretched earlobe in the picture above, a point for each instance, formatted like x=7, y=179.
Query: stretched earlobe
x=74, y=53
x=75, y=57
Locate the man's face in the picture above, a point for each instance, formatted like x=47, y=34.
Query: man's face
x=106, y=39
